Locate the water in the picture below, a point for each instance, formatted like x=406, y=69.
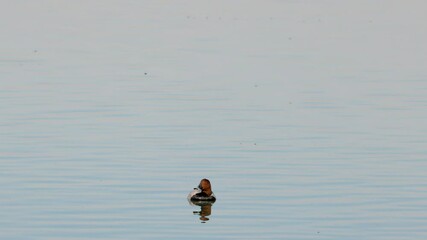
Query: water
x=308, y=117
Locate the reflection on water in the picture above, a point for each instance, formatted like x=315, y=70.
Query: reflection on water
x=205, y=209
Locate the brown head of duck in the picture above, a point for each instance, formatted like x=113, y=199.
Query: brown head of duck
x=205, y=186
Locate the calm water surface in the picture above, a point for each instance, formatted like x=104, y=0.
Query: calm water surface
x=308, y=117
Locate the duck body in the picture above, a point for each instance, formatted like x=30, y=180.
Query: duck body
x=198, y=195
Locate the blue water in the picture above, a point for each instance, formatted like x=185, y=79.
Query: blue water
x=308, y=117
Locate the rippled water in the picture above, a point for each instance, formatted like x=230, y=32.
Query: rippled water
x=308, y=117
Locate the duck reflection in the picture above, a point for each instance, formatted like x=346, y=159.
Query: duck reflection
x=205, y=209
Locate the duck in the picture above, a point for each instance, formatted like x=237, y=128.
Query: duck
x=203, y=193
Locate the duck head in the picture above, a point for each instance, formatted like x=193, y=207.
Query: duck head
x=205, y=186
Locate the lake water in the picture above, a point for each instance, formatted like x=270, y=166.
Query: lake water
x=308, y=117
